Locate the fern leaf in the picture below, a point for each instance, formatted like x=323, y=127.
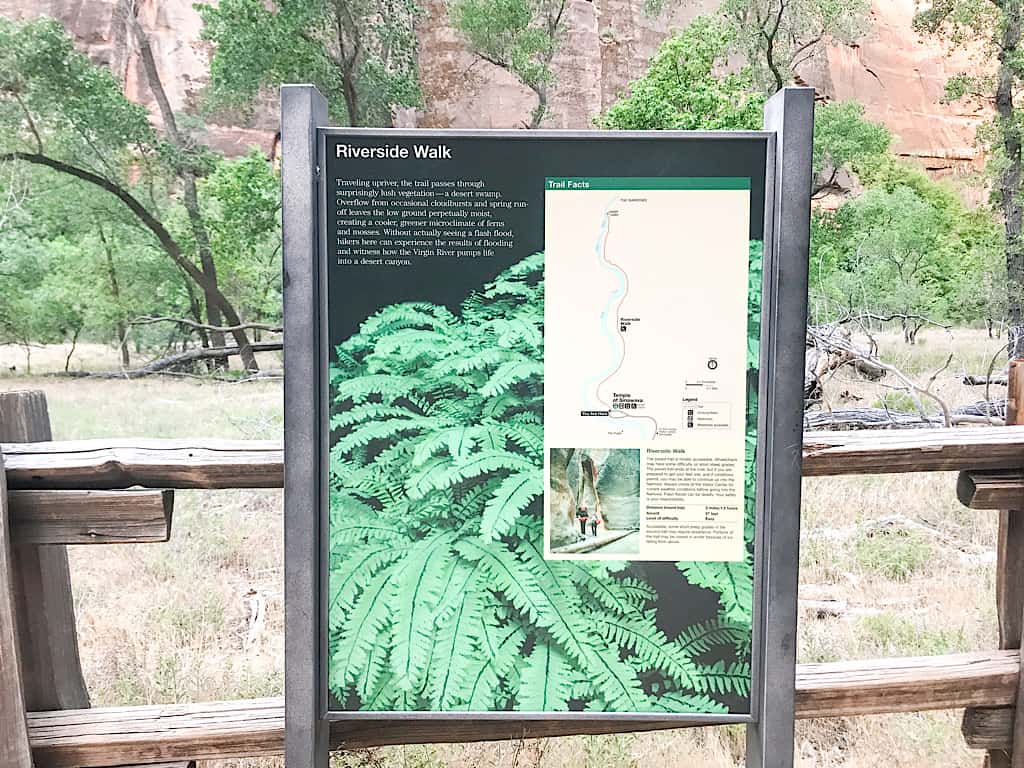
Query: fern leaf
x=639, y=633
x=456, y=625
x=721, y=679
x=510, y=498
x=363, y=625
x=511, y=373
x=436, y=475
x=733, y=581
x=416, y=595
x=545, y=683
x=701, y=638
x=679, y=702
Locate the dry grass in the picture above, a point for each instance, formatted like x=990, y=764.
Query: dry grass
x=174, y=622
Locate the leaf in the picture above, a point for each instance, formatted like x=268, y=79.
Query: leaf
x=510, y=498
x=417, y=592
x=733, y=581
x=719, y=678
x=545, y=683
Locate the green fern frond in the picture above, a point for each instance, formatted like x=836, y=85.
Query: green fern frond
x=389, y=387
x=380, y=430
x=417, y=592
x=511, y=373
x=435, y=475
x=722, y=679
x=369, y=412
x=699, y=639
x=639, y=633
x=678, y=702
x=733, y=581
x=544, y=685
x=363, y=625
x=510, y=498
x=456, y=626
x=407, y=315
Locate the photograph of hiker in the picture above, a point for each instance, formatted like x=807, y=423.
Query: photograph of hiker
x=595, y=502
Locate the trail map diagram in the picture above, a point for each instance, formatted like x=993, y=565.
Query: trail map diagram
x=645, y=311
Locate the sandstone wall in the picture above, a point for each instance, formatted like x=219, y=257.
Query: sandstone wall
x=897, y=75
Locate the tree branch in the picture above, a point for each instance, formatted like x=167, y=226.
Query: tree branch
x=148, y=320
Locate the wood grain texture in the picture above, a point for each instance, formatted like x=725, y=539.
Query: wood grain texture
x=113, y=464
x=912, y=450
x=91, y=517
x=51, y=668
x=991, y=489
x=124, y=463
x=1010, y=575
x=14, y=745
x=988, y=727
x=255, y=728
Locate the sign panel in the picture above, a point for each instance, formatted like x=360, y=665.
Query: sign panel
x=468, y=311
x=540, y=422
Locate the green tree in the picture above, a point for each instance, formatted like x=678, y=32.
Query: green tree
x=997, y=25
x=843, y=139
x=520, y=36
x=60, y=112
x=907, y=248
x=361, y=54
x=689, y=86
x=92, y=243
x=242, y=208
x=684, y=87
x=776, y=37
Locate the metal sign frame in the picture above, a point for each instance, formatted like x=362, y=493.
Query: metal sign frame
x=788, y=138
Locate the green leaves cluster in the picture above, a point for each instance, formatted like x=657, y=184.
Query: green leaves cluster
x=361, y=54
x=520, y=36
x=906, y=245
x=51, y=92
x=440, y=596
x=684, y=88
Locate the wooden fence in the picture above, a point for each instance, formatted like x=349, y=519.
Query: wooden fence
x=75, y=492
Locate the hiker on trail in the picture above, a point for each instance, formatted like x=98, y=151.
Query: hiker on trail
x=595, y=521
x=582, y=515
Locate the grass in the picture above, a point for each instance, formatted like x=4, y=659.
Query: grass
x=895, y=555
x=182, y=621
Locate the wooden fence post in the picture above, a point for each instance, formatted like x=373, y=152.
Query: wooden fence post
x=1010, y=573
x=51, y=668
x=14, y=749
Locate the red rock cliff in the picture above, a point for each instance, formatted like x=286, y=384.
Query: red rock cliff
x=894, y=72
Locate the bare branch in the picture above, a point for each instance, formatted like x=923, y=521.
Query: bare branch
x=149, y=320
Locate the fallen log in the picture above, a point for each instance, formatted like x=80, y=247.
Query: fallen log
x=981, y=412
x=177, y=361
x=980, y=380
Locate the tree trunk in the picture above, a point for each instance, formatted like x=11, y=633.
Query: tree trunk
x=1008, y=185
x=206, y=262
x=197, y=314
x=217, y=306
x=115, y=291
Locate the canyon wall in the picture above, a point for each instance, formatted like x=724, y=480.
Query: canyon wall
x=895, y=73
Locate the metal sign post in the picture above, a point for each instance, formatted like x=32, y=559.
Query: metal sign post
x=542, y=427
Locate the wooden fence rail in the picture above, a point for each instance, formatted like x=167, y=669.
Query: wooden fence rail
x=70, y=492
x=113, y=464
x=229, y=729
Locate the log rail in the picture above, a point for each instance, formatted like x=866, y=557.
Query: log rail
x=74, y=492
x=211, y=464
x=255, y=728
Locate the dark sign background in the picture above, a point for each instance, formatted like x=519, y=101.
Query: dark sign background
x=518, y=167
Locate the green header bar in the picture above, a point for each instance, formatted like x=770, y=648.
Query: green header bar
x=645, y=182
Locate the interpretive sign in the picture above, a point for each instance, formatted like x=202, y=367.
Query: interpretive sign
x=539, y=480
x=530, y=367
